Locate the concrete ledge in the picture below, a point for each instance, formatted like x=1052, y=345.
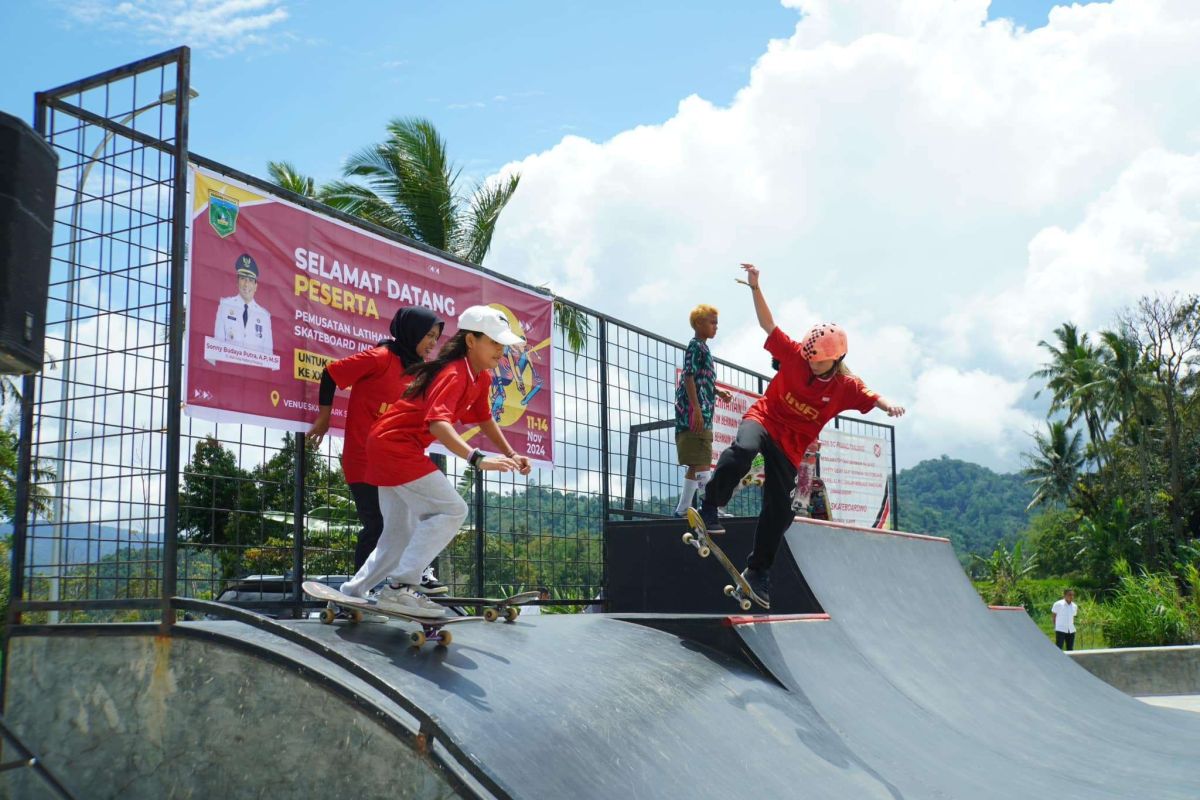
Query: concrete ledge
x=1145, y=671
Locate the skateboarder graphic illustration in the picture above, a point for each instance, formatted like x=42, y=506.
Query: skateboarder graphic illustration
x=452, y=388
x=376, y=379
x=812, y=386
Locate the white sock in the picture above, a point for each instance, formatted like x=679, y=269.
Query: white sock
x=685, y=497
x=702, y=478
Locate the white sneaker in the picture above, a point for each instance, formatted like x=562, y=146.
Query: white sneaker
x=406, y=600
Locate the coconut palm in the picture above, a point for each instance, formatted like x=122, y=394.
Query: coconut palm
x=288, y=177
x=408, y=184
x=1054, y=469
x=1073, y=376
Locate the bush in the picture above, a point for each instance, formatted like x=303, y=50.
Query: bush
x=1147, y=611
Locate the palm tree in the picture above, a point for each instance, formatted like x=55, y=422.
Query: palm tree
x=1073, y=377
x=1128, y=380
x=1054, y=469
x=407, y=184
x=288, y=177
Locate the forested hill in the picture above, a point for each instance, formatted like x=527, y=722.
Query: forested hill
x=971, y=505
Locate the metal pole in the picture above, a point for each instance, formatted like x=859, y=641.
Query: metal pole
x=179, y=220
x=298, y=520
x=20, y=521
x=604, y=500
x=480, y=509
x=895, y=486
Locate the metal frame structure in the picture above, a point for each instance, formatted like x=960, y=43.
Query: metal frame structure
x=136, y=520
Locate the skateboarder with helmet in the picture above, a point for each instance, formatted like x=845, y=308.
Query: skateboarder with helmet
x=812, y=386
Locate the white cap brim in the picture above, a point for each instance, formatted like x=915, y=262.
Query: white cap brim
x=507, y=337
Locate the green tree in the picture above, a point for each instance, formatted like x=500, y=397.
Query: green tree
x=408, y=184
x=1168, y=329
x=1073, y=377
x=219, y=504
x=1053, y=470
x=288, y=177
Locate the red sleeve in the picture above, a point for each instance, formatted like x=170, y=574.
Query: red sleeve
x=444, y=395
x=350, y=370
x=780, y=345
x=858, y=396
x=481, y=409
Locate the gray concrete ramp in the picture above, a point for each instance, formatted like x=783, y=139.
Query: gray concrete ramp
x=905, y=609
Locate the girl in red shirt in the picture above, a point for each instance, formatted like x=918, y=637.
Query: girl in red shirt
x=812, y=386
x=376, y=379
x=422, y=511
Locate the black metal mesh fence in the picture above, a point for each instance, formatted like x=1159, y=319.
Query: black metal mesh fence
x=256, y=508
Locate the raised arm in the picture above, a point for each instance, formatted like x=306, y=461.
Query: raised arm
x=765, y=320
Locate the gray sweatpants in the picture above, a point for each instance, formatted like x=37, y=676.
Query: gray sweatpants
x=420, y=518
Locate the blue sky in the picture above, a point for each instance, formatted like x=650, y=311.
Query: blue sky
x=501, y=80
x=949, y=187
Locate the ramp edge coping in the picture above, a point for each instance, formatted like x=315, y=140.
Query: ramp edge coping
x=766, y=619
x=863, y=529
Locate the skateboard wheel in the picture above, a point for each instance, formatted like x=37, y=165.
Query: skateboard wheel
x=745, y=605
x=416, y=638
x=444, y=639
x=511, y=613
x=729, y=591
x=704, y=552
x=687, y=537
x=356, y=616
x=491, y=614
x=328, y=615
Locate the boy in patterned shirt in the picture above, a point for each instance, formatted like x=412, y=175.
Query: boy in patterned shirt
x=695, y=399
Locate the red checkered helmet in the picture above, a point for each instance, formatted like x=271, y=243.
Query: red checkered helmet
x=824, y=342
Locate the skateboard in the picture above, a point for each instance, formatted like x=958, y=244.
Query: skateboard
x=818, y=502
x=494, y=607
x=357, y=608
x=699, y=538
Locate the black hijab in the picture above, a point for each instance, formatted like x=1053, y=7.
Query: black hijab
x=409, y=327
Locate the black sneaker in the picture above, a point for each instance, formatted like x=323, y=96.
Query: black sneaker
x=430, y=585
x=712, y=521
x=760, y=582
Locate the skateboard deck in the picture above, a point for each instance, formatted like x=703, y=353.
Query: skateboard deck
x=357, y=608
x=699, y=538
x=493, y=607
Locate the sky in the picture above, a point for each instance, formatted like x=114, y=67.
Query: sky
x=948, y=179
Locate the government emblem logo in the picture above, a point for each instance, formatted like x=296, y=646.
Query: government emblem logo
x=222, y=214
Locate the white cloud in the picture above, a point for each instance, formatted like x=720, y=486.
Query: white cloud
x=949, y=189
x=220, y=26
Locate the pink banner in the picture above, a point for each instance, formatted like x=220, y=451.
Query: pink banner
x=276, y=291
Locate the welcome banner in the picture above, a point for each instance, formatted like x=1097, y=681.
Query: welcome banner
x=276, y=292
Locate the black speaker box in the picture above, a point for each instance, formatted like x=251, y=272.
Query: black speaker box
x=28, y=170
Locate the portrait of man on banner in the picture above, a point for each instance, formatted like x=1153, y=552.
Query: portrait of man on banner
x=242, y=328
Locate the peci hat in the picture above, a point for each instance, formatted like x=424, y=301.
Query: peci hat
x=246, y=266
x=488, y=321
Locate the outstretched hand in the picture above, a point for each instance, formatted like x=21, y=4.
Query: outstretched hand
x=751, y=275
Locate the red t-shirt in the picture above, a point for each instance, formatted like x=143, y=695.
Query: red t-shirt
x=378, y=380
x=397, y=441
x=794, y=411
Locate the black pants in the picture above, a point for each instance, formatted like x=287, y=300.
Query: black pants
x=780, y=480
x=366, y=501
x=1067, y=639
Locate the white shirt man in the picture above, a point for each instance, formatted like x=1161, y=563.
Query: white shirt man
x=240, y=320
x=1064, y=612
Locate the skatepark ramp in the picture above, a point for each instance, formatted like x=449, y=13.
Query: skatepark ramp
x=907, y=687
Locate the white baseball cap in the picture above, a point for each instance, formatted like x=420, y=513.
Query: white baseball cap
x=489, y=321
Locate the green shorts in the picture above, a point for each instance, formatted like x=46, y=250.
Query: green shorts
x=695, y=448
